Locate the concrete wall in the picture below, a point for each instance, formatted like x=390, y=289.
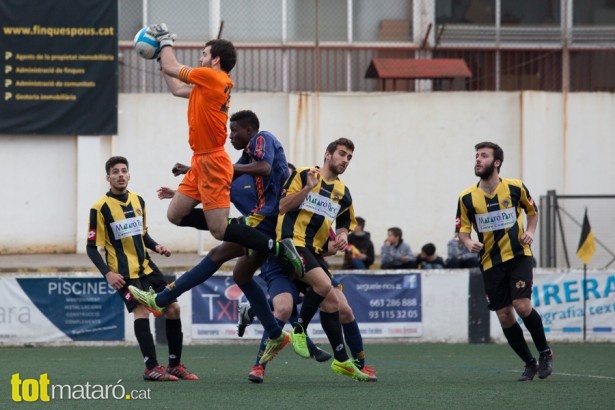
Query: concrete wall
x=414, y=154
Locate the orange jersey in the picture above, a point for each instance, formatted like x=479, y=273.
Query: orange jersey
x=208, y=107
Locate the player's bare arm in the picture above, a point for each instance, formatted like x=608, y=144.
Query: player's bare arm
x=162, y=250
x=293, y=201
x=256, y=168
x=177, y=87
x=164, y=192
x=341, y=239
x=115, y=280
x=330, y=250
x=179, y=169
x=168, y=62
x=528, y=235
x=469, y=243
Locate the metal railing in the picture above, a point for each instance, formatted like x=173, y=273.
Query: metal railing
x=342, y=68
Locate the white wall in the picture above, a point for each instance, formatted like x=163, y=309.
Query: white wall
x=414, y=154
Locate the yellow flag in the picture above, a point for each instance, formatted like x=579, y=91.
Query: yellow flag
x=587, y=244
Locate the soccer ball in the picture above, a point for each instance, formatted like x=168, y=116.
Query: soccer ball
x=146, y=45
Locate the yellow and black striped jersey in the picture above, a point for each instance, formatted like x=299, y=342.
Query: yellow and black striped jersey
x=309, y=224
x=120, y=227
x=497, y=219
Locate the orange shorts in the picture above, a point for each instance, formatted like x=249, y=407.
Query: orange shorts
x=209, y=180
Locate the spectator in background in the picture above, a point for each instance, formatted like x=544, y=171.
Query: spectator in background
x=428, y=259
x=360, y=251
x=395, y=253
x=459, y=256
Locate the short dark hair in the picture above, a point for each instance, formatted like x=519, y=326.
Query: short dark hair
x=340, y=141
x=429, y=249
x=246, y=118
x=360, y=222
x=498, y=152
x=113, y=161
x=226, y=51
x=395, y=231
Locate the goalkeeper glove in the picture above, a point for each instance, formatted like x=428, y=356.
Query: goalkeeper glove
x=161, y=33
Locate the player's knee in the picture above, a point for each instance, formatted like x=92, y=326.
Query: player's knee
x=283, y=311
x=241, y=278
x=217, y=230
x=523, y=309
x=173, y=217
x=506, y=316
x=346, y=315
x=140, y=312
x=324, y=290
x=330, y=303
x=219, y=256
x=321, y=284
x=173, y=311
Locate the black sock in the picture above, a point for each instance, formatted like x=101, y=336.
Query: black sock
x=311, y=303
x=249, y=238
x=310, y=344
x=533, y=323
x=146, y=342
x=514, y=335
x=354, y=340
x=195, y=219
x=175, y=339
x=333, y=329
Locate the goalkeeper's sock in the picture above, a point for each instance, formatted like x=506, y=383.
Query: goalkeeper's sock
x=249, y=238
x=195, y=219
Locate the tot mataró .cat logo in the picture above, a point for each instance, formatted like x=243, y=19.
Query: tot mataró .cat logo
x=31, y=390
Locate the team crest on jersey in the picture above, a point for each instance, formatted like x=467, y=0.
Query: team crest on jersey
x=506, y=202
x=520, y=284
x=457, y=223
x=92, y=235
x=139, y=211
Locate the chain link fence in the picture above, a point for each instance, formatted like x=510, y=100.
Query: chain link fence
x=274, y=21
x=560, y=229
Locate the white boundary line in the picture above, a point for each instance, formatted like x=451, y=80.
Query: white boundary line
x=589, y=376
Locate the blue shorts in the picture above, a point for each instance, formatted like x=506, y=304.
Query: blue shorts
x=277, y=282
